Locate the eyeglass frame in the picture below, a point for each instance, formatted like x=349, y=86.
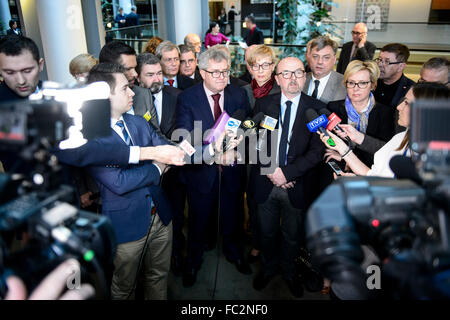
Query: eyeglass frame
x=379, y=60
x=260, y=66
x=292, y=73
x=220, y=73
x=356, y=84
x=356, y=33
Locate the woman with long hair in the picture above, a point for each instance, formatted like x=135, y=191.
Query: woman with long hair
x=213, y=36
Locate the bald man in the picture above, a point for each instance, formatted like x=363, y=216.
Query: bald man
x=358, y=49
x=194, y=41
x=247, y=76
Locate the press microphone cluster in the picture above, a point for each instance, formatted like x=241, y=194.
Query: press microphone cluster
x=268, y=124
x=318, y=123
x=333, y=122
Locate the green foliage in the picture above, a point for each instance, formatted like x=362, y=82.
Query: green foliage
x=107, y=11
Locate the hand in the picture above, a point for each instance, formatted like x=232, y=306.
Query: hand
x=85, y=199
x=165, y=154
x=52, y=286
x=331, y=154
x=344, y=174
x=354, y=135
x=340, y=146
x=277, y=178
x=227, y=158
x=362, y=40
x=232, y=141
x=288, y=185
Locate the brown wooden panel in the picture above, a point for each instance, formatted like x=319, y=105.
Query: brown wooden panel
x=440, y=5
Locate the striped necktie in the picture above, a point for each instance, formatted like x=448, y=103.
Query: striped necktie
x=126, y=136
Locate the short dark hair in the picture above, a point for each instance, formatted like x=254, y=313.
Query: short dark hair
x=11, y=23
x=322, y=42
x=105, y=72
x=400, y=50
x=14, y=45
x=437, y=63
x=185, y=48
x=145, y=58
x=251, y=18
x=112, y=51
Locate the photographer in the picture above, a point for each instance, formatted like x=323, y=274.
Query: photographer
x=398, y=145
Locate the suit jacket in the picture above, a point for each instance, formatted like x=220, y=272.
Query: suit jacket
x=305, y=153
x=169, y=101
x=132, y=19
x=251, y=97
x=193, y=105
x=143, y=102
x=256, y=37
x=11, y=31
x=184, y=82
x=237, y=82
x=334, y=90
x=364, y=53
x=380, y=125
x=126, y=191
x=246, y=77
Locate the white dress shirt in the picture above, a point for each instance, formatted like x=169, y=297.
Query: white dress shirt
x=322, y=85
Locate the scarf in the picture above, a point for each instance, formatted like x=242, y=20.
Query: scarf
x=360, y=121
x=259, y=92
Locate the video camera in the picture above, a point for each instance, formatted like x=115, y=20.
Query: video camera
x=406, y=222
x=39, y=228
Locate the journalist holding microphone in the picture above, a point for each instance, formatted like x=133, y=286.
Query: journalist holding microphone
x=398, y=145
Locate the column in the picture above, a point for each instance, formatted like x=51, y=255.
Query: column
x=93, y=25
x=5, y=14
x=63, y=35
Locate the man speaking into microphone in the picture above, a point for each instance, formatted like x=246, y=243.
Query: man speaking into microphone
x=283, y=194
x=205, y=102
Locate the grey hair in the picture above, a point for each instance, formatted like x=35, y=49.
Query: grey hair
x=215, y=54
x=144, y=59
x=164, y=47
x=438, y=63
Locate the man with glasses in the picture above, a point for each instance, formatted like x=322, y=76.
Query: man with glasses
x=285, y=193
x=205, y=102
x=188, y=63
x=322, y=82
x=392, y=84
x=169, y=55
x=357, y=49
x=436, y=70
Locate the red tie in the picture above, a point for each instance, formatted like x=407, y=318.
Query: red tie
x=217, y=110
x=171, y=81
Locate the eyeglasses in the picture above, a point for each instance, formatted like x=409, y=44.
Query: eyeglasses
x=217, y=74
x=358, y=33
x=386, y=62
x=190, y=61
x=361, y=84
x=264, y=66
x=299, y=73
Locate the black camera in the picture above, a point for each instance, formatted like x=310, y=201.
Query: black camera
x=39, y=228
x=405, y=221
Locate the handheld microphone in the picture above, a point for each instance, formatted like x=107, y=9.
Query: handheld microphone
x=318, y=123
x=268, y=123
x=232, y=125
x=333, y=122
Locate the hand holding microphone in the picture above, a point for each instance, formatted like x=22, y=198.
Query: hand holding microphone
x=353, y=134
x=339, y=145
x=333, y=124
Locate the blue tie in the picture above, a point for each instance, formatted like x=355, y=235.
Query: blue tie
x=282, y=150
x=124, y=131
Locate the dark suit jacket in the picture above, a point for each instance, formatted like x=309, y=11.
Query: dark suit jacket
x=169, y=100
x=193, y=105
x=126, y=191
x=11, y=31
x=255, y=38
x=237, y=82
x=305, y=153
x=380, y=125
x=132, y=19
x=247, y=77
x=184, y=82
x=364, y=53
x=251, y=98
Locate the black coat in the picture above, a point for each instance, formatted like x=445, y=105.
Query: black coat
x=170, y=95
x=363, y=54
x=305, y=153
x=254, y=38
x=184, y=82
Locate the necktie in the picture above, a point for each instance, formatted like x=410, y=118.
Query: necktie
x=171, y=81
x=217, y=110
x=316, y=88
x=282, y=150
x=154, y=113
x=124, y=131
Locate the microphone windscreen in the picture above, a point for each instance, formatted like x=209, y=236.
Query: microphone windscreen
x=325, y=111
x=404, y=168
x=239, y=114
x=311, y=114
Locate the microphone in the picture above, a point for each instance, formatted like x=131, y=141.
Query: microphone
x=333, y=122
x=268, y=123
x=318, y=123
x=232, y=125
x=218, y=128
x=404, y=168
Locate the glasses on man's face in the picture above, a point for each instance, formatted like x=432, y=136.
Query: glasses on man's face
x=187, y=62
x=171, y=60
x=356, y=33
x=217, y=74
x=264, y=66
x=361, y=84
x=299, y=73
x=386, y=62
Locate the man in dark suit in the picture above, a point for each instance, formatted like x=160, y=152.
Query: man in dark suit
x=169, y=55
x=392, y=85
x=322, y=82
x=13, y=29
x=164, y=99
x=205, y=102
x=188, y=63
x=254, y=35
x=281, y=187
x=358, y=49
x=139, y=212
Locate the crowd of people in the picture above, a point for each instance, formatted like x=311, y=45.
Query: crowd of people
x=168, y=88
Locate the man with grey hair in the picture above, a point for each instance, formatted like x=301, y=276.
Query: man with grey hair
x=436, y=69
x=205, y=102
x=322, y=82
x=357, y=49
x=169, y=56
x=194, y=41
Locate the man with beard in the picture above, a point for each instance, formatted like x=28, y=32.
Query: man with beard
x=164, y=98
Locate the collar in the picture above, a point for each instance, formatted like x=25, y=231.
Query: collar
x=295, y=100
x=209, y=93
x=114, y=121
x=324, y=79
